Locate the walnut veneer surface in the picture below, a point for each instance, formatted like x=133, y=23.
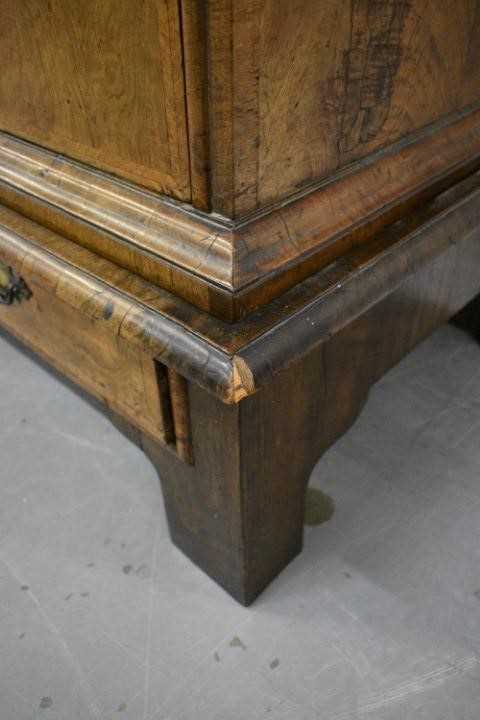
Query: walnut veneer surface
x=101, y=82
x=276, y=94
x=233, y=216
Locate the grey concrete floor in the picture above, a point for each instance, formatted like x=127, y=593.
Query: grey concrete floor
x=100, y=617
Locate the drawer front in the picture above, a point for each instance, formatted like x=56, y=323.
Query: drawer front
x=80, y=339
x=101, y=82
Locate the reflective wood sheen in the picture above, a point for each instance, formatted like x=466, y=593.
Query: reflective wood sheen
x=234, y=217
x=100, y=82
x=231, y=268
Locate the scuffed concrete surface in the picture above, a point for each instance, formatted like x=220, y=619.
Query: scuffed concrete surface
x=100, y=617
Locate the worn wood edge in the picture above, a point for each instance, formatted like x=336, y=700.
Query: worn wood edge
x=360, y=290
x=353, y=206
x=157, y=336
x=151, y=223
x=232, y=377
x=195, y=289
x=226, y=337
x=231, y=268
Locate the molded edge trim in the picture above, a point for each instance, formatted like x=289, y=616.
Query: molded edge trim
x=157, y=336
x=256, y=258
x=234, y=377
x=151, y=223
x=369, y=284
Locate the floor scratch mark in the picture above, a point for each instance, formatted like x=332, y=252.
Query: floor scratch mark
x=422, y=684
x=148, y=643
x=82, y=680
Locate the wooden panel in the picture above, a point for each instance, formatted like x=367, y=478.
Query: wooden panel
x=196, y=79
x=230, y=268
x=73, y=274
x=317, y=85
x=180, y=415
x=101, y=82
x=239, y=513
x=234, y=360
x=83, y=344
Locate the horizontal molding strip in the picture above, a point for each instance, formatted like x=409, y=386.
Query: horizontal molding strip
x=147, y=222
x=230, y=269
x=234, y=361
x=156, y=335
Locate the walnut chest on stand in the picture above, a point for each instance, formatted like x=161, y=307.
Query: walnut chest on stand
x=227, y=219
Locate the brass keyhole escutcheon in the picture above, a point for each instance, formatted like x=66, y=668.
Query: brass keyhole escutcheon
x=13, y=288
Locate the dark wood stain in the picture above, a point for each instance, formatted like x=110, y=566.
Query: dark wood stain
x=369, y=70
x=473, y=42
x=230, y=269
x=330, y=153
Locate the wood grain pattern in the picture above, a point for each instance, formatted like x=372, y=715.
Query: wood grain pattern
x=239, y=512
x=85, y=345
x=220, y=90
x=337, y=146
x=230, y=268
x=181, y=415
x=149, y=331
x=194, y=18
x=101, y=82
x=234, y=361
x=233, y=106
x=144, y=222
x=314, y=86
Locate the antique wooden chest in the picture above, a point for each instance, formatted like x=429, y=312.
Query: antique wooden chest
x=227, y=219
